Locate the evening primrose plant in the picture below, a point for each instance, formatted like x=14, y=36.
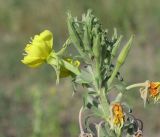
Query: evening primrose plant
x=96, y=68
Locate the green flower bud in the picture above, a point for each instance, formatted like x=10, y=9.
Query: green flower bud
x=116, y=46
x=124, y=52
x=115, y=35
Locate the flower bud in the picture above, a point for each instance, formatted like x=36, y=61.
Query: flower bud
x=115, y=47
x=124, y=52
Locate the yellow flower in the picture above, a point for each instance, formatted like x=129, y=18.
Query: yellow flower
x=65, y=72
x=39, y=49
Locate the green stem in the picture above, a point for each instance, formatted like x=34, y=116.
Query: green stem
x=64, y=47
x=100, y=91
x=116, y=69
x=98, y=128
x=104, y=103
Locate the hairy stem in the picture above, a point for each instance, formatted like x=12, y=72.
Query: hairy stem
x=104, y=103
x=98, y=128
x=116, y=69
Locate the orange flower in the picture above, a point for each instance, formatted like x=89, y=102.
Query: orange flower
x=150, y=91
x=117, y=118
x=154, y=89
x=118, y=115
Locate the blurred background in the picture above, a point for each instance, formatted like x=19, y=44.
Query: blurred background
x=31, y=105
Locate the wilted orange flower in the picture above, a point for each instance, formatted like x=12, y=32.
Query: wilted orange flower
x=118, y=115
x=150, y=91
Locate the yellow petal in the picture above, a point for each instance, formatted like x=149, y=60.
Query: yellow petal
x=39, y=50
x=32, y=61
x=27, y=48
x=48, y=37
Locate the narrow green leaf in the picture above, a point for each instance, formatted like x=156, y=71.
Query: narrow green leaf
x=84, y=78
x=87, y=40
x=96, y=45
x=75, y=38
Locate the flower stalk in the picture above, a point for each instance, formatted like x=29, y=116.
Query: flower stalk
x=80, y=121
